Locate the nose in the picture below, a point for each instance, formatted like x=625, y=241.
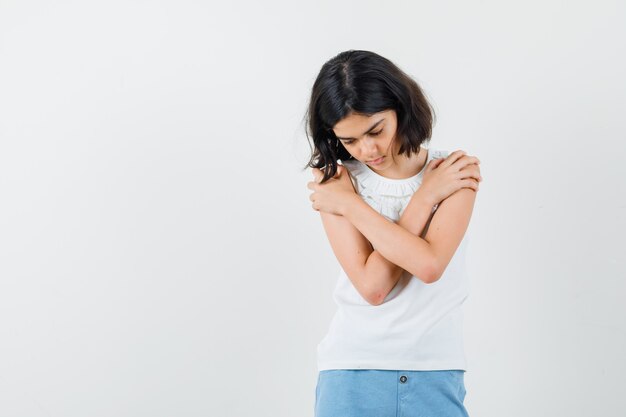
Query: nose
x=368, y=146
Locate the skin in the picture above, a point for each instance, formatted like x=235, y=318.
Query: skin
x=353, y=226
x=378, y=142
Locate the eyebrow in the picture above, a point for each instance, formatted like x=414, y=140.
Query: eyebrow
x=368, y=130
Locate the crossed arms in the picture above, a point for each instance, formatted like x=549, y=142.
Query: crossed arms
x=419, y=243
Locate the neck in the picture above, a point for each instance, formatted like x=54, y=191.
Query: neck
x=406, y=167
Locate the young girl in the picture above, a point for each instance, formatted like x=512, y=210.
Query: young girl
x=395, y=213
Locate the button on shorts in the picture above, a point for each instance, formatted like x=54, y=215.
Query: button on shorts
x=386, y=393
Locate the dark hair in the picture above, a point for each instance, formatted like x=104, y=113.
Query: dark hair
x=363, y=82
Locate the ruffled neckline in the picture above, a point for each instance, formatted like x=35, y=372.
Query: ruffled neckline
x=369, y=182
x=397, y=180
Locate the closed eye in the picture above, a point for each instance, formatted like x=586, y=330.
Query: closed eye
x=350, y=142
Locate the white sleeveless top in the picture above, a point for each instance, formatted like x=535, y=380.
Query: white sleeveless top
x=418, y=326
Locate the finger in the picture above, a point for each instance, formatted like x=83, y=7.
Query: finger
x=437, y=162
x=453, y=157
x=470, y=183
x=433, y=164
x=472, y=171
x=311, y=185
x=317, y=174
x=466, y=160
x=473, y=156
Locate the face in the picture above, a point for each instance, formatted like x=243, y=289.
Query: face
x=369, y=139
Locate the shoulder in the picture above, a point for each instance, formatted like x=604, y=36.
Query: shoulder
x=356, y=170
x=352, y=164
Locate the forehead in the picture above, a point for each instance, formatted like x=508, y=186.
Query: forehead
x=356, y=124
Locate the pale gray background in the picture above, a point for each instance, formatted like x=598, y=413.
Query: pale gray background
x=158, y=252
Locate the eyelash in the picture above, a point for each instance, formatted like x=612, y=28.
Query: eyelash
x=371, y=134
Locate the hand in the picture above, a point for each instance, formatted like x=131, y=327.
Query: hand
x=443, y=177
x=334, y=195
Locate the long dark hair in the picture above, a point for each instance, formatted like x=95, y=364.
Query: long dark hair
x=363, y=82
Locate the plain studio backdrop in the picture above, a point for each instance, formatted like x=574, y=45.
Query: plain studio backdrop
x=159, y=255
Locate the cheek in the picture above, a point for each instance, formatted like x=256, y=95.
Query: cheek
x=389, y=144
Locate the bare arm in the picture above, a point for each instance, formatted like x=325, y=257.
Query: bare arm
x=426, y=258
x=371, y=274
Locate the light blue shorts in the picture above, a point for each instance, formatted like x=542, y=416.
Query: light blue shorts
x=385, y=393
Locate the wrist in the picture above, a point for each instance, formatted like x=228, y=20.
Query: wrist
x=349, y=202
x=424, y=197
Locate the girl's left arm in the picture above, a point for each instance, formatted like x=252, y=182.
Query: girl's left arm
x=425, y=257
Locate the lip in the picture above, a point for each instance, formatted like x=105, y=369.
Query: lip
x=376, y=161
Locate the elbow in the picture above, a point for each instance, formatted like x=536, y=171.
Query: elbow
x=375, y=298
x=372, y=291
x=433, y=278
x=430, y=273
x=374, y=294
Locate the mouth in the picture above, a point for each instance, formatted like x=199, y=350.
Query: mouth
x=376, y=161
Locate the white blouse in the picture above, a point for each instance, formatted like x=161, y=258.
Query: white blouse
x=387, y=196
x=418, y=326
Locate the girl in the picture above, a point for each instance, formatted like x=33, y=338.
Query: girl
x=395, y=213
